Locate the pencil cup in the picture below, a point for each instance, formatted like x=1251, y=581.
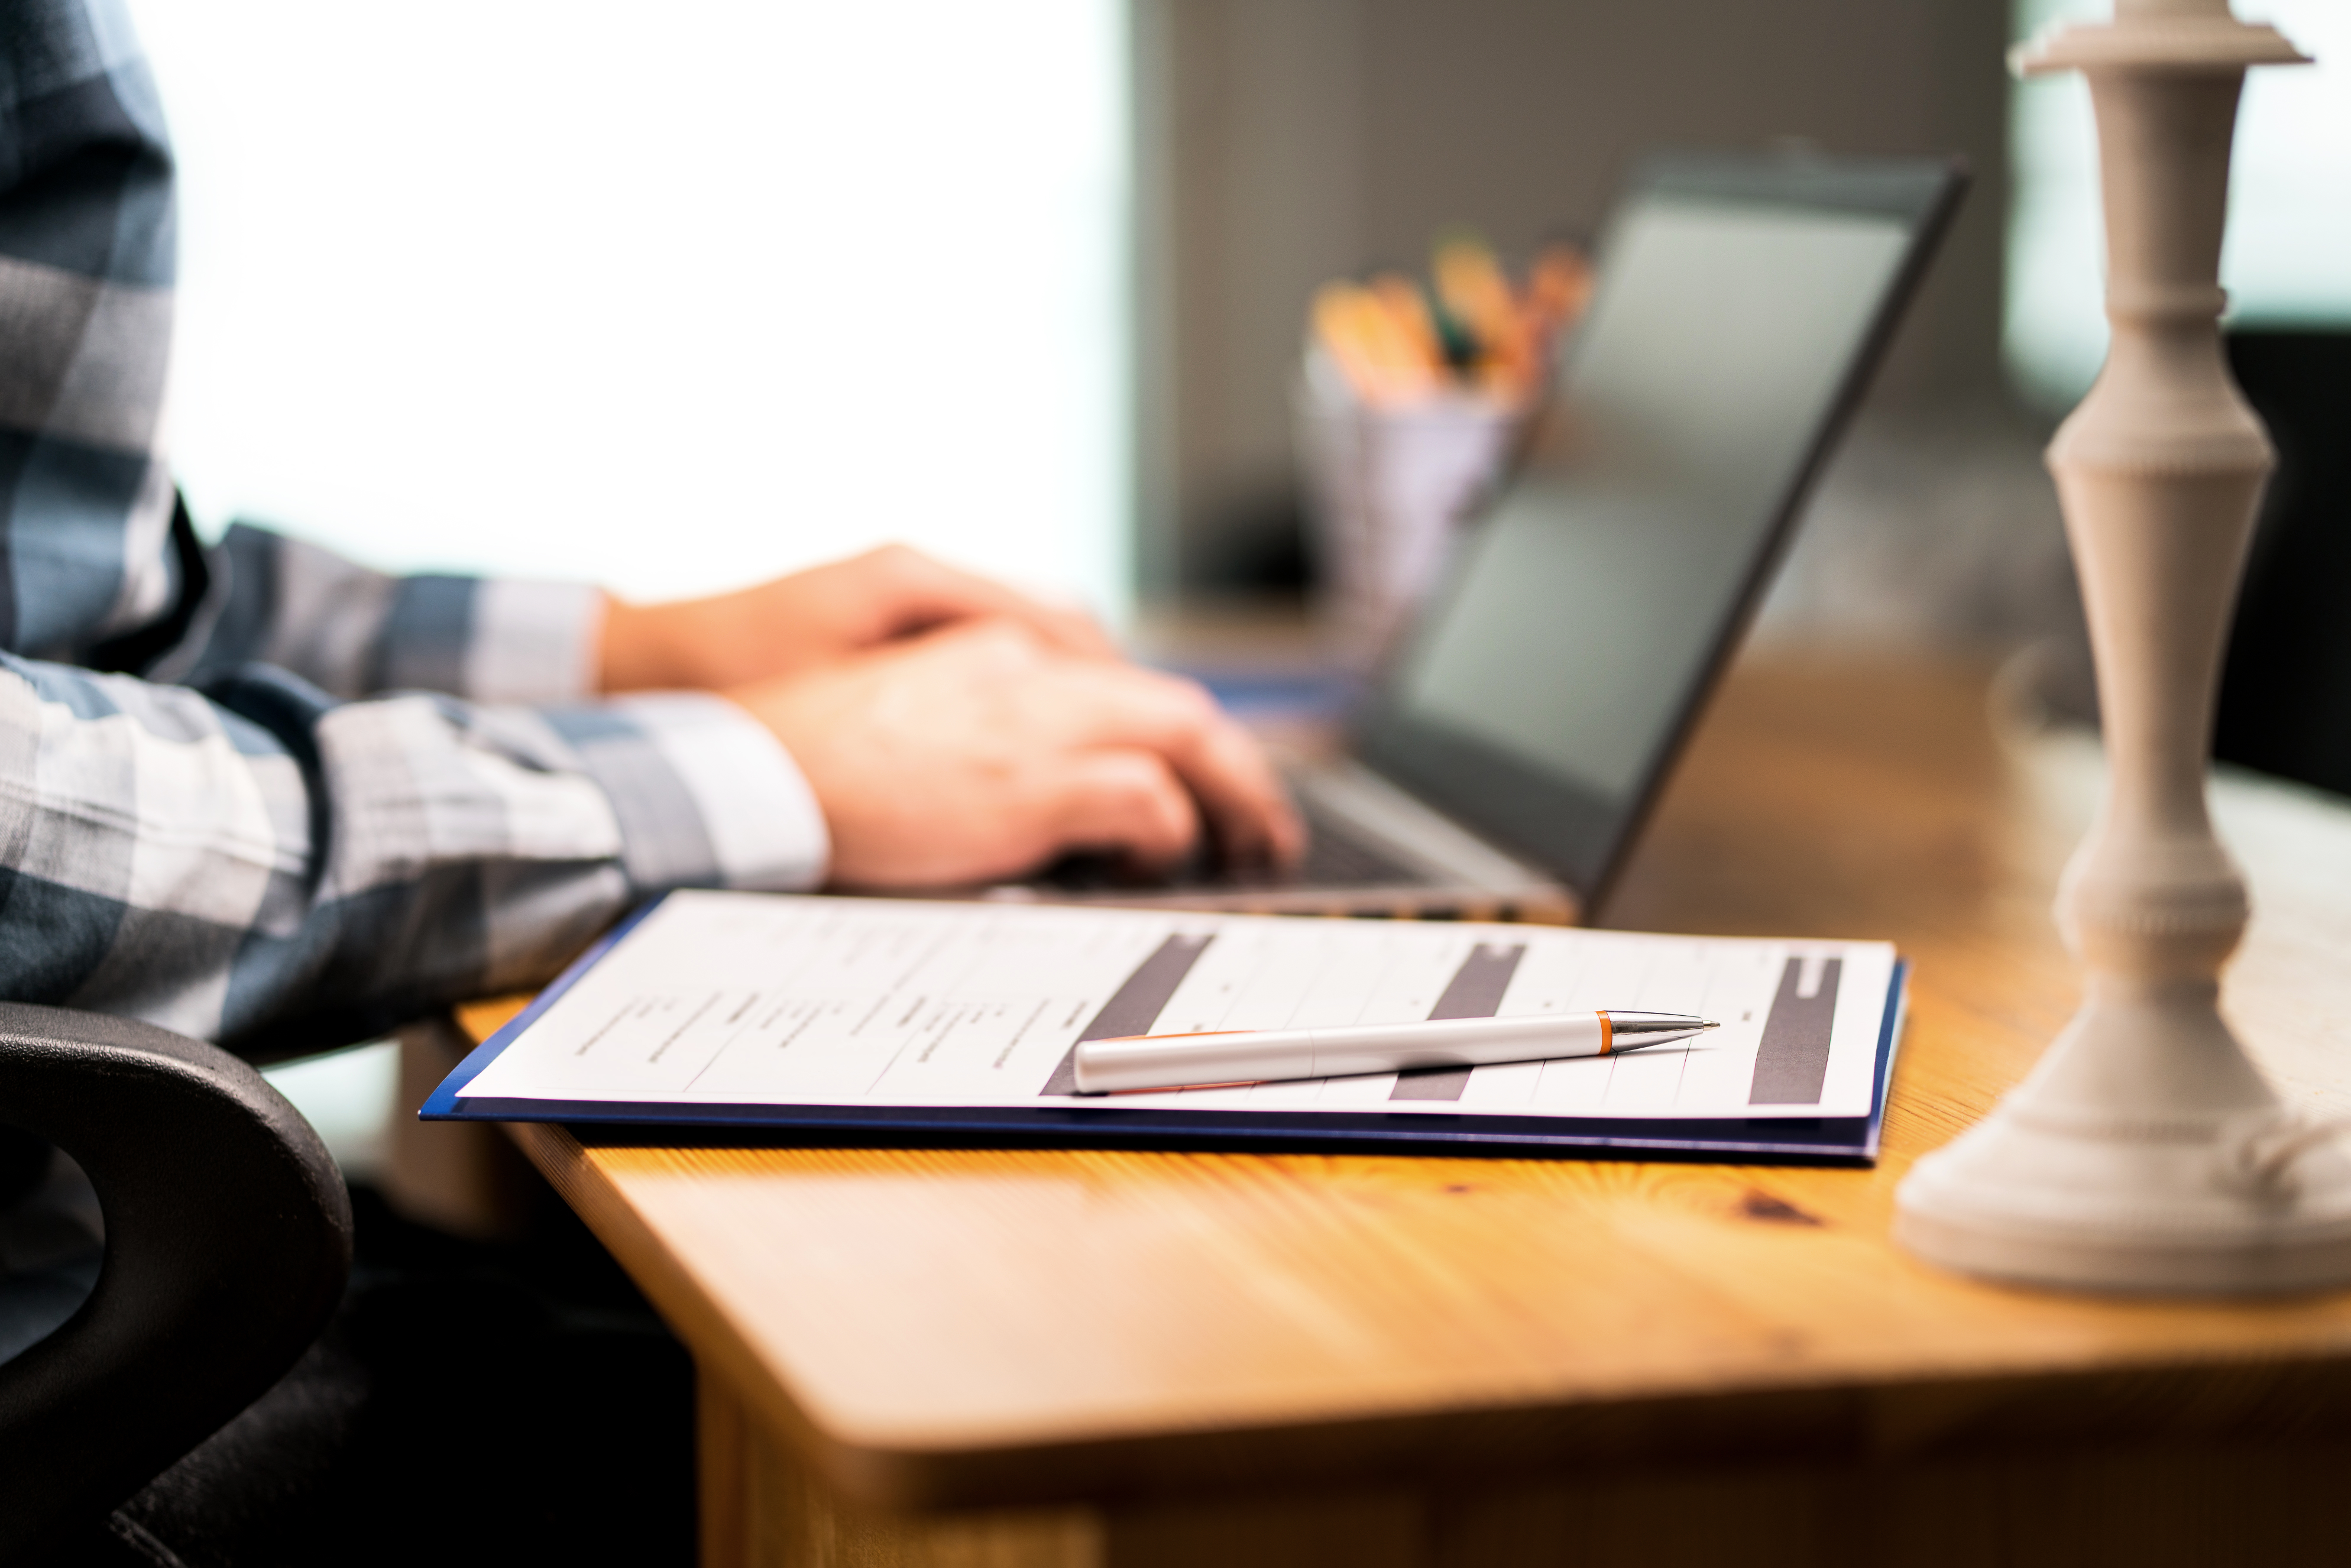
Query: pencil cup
x=1386, y=490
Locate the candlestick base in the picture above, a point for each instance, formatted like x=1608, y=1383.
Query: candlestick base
x=2218, y=1193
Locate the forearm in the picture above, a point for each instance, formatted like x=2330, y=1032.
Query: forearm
x=262, y=866
x=353, y=631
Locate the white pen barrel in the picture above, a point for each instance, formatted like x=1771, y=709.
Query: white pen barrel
x=1461, y=1042
x=1111, y=1066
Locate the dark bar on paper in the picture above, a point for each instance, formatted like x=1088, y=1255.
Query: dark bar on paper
x=1137, y=1003
x=1793, y=1062
x=1475, y=992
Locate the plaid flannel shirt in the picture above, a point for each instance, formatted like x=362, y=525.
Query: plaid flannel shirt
x=253, y=793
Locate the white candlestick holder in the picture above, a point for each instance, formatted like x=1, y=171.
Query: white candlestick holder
x=2146, y=1153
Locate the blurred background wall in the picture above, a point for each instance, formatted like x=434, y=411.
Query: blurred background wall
x=668, y=301
x=1286, y=141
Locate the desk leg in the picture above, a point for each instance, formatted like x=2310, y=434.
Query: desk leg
x=722, y=1486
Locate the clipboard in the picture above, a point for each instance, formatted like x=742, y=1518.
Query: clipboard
x=1160, y=962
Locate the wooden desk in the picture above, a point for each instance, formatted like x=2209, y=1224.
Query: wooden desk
x=939, y=1356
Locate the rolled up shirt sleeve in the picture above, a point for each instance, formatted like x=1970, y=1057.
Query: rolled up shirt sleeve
x=256, y=863
x=703, y=795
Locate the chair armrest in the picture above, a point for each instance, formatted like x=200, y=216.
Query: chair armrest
x=228, y=1238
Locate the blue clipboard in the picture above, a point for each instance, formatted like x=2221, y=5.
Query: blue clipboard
x=1817, y=1140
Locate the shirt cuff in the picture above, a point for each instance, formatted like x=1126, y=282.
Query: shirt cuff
x=532, y=642
x=705, y=795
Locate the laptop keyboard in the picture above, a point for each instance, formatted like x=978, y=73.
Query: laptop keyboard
x=1337, y=855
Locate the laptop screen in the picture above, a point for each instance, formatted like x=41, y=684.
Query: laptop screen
x=1543, y=695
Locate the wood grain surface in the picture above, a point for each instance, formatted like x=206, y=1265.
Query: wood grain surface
x=955, y=1327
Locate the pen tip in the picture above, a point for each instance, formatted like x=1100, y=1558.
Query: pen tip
x=1708, y=1023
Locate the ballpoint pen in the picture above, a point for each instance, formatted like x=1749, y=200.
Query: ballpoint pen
x=1227, y=1057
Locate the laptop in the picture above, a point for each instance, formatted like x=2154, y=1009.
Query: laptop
x=1506, y=755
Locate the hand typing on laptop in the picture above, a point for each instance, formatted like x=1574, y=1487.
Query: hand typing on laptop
x=984, y=748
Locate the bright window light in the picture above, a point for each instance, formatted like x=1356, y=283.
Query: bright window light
x=671, y=298
x=2288, y=255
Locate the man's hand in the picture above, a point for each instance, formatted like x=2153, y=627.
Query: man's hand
x=800, y=621
x=983, y=750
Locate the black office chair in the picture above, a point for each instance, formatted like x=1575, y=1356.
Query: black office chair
x=529, y=1370
x=227, y=1241
x=2285, y=692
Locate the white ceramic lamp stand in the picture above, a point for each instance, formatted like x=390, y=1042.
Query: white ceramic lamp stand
x=2146, y=1153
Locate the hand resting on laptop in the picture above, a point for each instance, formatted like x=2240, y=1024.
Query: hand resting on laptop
x=799, y=621
x=957, y=731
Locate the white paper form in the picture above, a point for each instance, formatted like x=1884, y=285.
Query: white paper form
x=717, y=998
